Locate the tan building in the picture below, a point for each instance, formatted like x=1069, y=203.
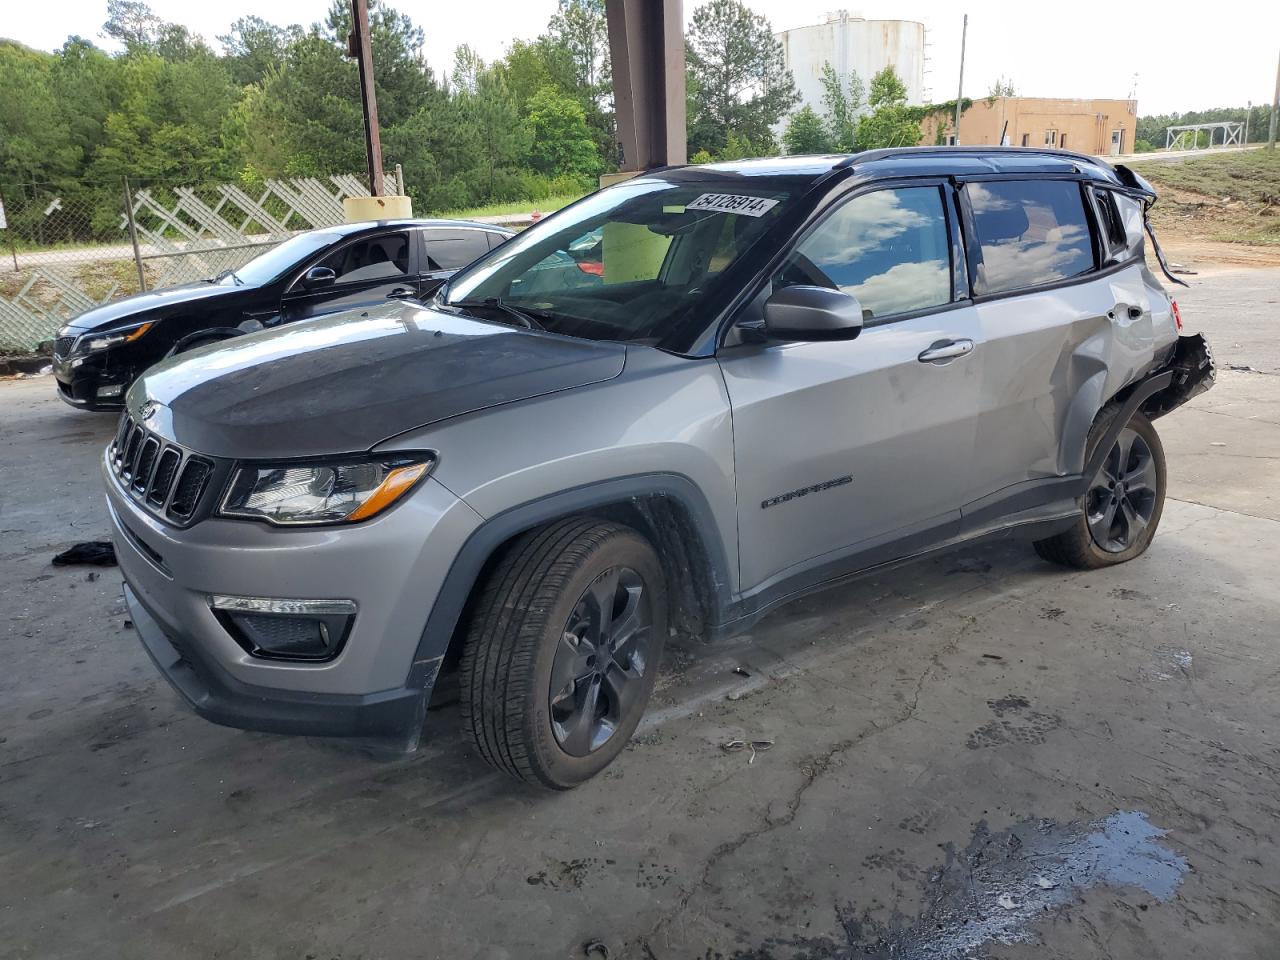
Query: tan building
x=1102, y=127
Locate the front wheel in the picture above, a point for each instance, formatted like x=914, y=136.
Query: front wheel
x=1122, y=508
x=562, y=649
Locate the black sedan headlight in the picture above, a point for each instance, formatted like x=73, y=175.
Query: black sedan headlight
x=93, y=342
x=321, y=493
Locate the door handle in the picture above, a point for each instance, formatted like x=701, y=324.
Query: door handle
x=946, y=350
x=401, y=293
x=1135, y=313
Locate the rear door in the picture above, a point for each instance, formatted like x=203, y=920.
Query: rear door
x=447, y=250
x=369, y=270
x=842, y=445
x=1051, y=323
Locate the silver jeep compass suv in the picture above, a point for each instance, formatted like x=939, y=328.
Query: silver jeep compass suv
x=674, y=405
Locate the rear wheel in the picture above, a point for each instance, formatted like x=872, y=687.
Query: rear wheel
x=562, y=650
x=1122, y=508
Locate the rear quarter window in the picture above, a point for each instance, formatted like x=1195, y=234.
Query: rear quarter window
x=1030, y=232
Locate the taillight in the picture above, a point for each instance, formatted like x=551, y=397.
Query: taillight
x=1177, y=317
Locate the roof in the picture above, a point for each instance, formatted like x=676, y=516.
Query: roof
x=903, y=161
x=347, y=229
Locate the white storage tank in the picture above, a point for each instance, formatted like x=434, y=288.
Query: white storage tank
x=847, y=41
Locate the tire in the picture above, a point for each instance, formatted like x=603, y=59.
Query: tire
x=1084, y=545
x=531, y=628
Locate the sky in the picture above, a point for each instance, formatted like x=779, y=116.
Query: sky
x=1185, y=57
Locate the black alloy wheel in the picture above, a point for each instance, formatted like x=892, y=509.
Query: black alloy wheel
x=601, y=661
x=1122, y=499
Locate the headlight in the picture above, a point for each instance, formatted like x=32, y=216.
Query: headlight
x=92, y=342
x=321, y=492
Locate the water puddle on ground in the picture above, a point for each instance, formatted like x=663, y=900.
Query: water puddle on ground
x=1003, y=882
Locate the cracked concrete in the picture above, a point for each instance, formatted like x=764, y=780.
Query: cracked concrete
x=919, y=717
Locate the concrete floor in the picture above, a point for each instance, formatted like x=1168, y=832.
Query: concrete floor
x=977, y=755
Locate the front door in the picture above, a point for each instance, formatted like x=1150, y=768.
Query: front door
x=846, y=445
x=370, y=270
x=1117, y=142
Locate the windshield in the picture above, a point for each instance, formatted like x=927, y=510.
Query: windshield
x=265, y=267
x=628, y=263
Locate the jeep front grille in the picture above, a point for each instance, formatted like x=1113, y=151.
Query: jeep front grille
x=167, y=479
x=62, y=346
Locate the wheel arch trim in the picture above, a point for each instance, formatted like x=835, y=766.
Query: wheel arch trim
x=480, y=546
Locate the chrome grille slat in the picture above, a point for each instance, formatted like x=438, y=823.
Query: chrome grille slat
x=191, y=483
x=159, y=474
x=162, y=481
x=131, y=452
x=146, y=462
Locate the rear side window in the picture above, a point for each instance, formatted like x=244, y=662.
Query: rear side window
x=888, y=248
x=453, y=249
x=1030, y=232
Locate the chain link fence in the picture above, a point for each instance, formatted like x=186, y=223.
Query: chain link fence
x=65, y=251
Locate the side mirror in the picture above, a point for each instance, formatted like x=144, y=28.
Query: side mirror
x=812, y=313
x=318, y=277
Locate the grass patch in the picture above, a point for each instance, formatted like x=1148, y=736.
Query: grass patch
x=546, y=205
x=1234, y=197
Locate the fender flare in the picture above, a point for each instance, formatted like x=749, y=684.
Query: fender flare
x=1138, y=393
x=468, y=565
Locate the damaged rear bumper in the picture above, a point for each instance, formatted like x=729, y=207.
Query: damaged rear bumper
x=1193, y=373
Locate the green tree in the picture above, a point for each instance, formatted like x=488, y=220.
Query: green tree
x=35, y=139
x=169, y=120
x=559, y=139
x=739, y=79
x=887, y=90
x=892, y=123
x=842, y=104
x=254, y=46
x=528, y=67
x=1001, y=88
x=806, y=133
x=579, y=27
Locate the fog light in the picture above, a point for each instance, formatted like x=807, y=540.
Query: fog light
x=286, y=629
x=112, y=390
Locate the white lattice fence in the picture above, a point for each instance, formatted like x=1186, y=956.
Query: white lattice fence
x=184, y=233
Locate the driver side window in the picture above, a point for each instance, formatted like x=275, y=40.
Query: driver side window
x=385, y=256
x=888, y=248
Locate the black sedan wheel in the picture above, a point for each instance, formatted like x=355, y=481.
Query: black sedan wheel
x=562, y=649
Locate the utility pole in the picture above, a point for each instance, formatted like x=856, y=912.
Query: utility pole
x=964, y=36
x=1275, y=110
x=359, y=48
x=1248, y=114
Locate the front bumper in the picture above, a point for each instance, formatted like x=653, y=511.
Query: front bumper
x=80, y=379
x=214, y=694
x=391, y=567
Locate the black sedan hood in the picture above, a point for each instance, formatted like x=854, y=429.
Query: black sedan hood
x=343, y=384
x=145, y=306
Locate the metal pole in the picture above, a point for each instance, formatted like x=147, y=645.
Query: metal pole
x=358, y=46
x=1248, y=112
x=400, y=180
x=1275, y=110
x=133, y=236
x=13, y=247
x=964, y=36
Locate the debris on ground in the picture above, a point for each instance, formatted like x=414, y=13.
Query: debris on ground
x=594, y=948
x=755, y=746
x=94, y=553
x=741, y=672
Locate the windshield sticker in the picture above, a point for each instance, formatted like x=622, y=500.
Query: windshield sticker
x=733, y=203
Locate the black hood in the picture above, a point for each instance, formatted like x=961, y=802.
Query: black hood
x=344, y=383
x=146, y=306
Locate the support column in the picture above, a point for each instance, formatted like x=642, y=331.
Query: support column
x=646, y=43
